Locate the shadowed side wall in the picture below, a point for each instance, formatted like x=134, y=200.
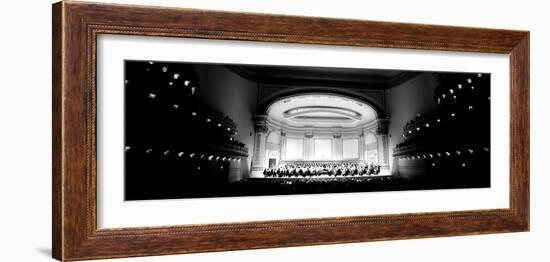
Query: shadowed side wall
x=404, y=102
x=234, y=96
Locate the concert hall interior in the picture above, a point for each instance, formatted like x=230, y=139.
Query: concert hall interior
x=215, y=130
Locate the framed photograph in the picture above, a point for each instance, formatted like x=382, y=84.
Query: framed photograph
x=182, y=130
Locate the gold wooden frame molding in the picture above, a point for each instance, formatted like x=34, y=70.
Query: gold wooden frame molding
x=76, y=26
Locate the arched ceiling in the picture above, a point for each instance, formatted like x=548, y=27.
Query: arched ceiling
x=321, y=111
x=323, y=76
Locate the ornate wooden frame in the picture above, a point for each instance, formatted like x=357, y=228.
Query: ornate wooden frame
x=76, y=26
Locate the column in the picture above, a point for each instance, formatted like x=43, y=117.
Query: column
x=361, y=147
x=259, y=153
x=337, y=146
x=282, y=144
x=383, y=151
x=383, y=146
x=308, y=146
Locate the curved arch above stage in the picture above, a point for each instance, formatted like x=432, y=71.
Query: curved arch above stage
x=321, y=110
x=374, y=98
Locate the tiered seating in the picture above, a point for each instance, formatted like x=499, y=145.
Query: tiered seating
x=454, y=137
x=170, y=134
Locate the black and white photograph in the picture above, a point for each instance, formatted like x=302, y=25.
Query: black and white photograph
x=269, y=131
x=199, y=130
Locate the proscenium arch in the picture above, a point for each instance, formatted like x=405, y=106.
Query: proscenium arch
x=266, y=102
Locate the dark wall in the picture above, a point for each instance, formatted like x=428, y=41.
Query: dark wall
x=404, y=102
x=227, y=92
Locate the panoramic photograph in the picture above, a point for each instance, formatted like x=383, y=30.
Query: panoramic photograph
x=199, y=130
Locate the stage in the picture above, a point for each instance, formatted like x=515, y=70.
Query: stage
x=322, y=177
